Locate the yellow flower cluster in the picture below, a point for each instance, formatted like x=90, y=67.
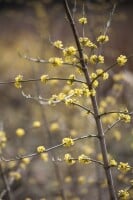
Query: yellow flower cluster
x=71, y=60
x=84, y=41
x=94, y=59
x=70, y=51
x=87, y=92
x=67, y=142
x=84, y=159
x=40, y=149
x=69, y=159
x=78, y=92
x=55, y=61
x=18, y=80
x=100, y=72
x=123, y=194
x=83, y=20
x=83, y=91
x=121, y=60
x=3, y=139
x=20, y=132
x=102, y=39
x=44, y=78
x=124, y=167
x=58, y=44
x=125, y=117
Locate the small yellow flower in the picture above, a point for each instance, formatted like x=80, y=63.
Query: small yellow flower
x=84, y=159
x=92, y=92
x=55, y=61
x=67, y=142
x=99, y=71
x=3, y=139
x=93, y=59
x=112, y=163
x=58, y=44
x=15, y=175
x=71, y=79
x=36, y=124
x=100, y=59
x=73, y=133
x=54, y=127
x=131, y=181
x=103, y=39
x=93, y=75
x=40, y=149
x=78, y=92
x=95, y=84
x=91, y=45
x=68, y=158
x=20, y=132
x=124, y=167
x=68, y=179
x=84, y=40
x=81, y=179
x=70, y=51
x=116, y=135
x=53, y=99
x=18, y=80
x=26, y=161
x=121, y=60
x=83, y=20
x=44, y=156
x=44, y=78
x=105, y=75
x=123, y=194
x=69, y=101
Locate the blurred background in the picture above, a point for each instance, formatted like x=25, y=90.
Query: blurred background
x=26, y=28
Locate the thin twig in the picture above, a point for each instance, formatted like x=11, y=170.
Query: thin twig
x=116, y=112
x=20, y=157
x=76, y=159
x=111, y=126
x=38, y=79
x=39, y=60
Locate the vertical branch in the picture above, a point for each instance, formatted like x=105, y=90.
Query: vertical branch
x=95, y=107
x=56, y=168
x=55, y=165
x=5, y=181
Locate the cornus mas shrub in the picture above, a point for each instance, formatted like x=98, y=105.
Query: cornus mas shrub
x=84, y=165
